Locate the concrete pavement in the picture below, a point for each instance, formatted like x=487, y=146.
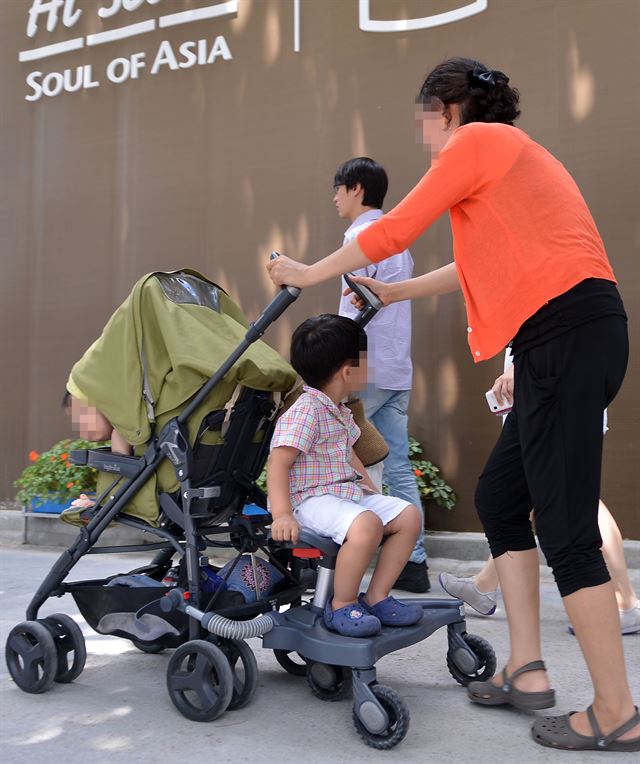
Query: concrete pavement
x=118, y=709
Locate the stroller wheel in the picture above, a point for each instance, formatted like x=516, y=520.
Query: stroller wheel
x=328, y=682
x=483, y=653
x=200, y=681
x=244, y=668
x=289, y=665
x=32, y=658
x=397, y=713
x=148, y=647
x=69, y=641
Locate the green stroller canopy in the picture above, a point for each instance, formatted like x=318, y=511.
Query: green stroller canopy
x=158, y=349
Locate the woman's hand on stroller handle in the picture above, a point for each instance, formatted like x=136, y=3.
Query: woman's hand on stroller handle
x=285, y=272
x=285, y=528
x=364, y=295
x=368, y=292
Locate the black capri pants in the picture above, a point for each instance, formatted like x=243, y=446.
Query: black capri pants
x=549, y=454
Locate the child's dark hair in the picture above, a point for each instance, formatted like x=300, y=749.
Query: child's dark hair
x=323, y=344
x=483, y=94
x=369, y=174
x=66, y=400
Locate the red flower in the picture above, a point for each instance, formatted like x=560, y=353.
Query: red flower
x=52, y=459
x=33, y=456
x=70, y=485
x=418, y=473
x=68, y=464
x=63, y=457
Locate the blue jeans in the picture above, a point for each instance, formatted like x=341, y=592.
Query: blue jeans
x=387, y=409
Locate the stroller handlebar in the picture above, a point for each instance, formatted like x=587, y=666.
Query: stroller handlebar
x=273, y=311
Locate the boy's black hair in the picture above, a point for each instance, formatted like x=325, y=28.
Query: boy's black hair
x=369, y=174
x=66, y=400
x=320, y=346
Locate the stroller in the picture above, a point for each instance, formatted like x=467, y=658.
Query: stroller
x=197, y=462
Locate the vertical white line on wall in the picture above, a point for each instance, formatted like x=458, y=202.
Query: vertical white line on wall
x=296, y=26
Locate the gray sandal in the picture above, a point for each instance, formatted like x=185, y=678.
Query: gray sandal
x=487, y=694
x=556, y=732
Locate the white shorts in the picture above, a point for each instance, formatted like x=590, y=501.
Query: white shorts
x=332, y=516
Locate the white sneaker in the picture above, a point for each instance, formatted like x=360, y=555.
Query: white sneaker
x=630, y=619
x=464, y=589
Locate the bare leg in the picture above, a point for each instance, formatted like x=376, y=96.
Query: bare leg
x=363, y=537
x=519, y=574
x=613, y=552
x=487, y=579
x=402, y=533
x=594, y=616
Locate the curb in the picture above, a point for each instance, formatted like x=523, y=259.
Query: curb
x=17, y=529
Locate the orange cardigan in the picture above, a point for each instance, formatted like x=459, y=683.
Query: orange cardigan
x=522, y=231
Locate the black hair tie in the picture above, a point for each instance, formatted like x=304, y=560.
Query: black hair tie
x=480, y=78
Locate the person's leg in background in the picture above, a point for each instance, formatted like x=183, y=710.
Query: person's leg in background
x=613, y=551
x=387, y=409
x=480, y=591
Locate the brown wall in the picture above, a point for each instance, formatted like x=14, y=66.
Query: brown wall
x=212, y=167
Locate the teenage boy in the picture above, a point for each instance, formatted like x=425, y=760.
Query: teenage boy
x=360, y=186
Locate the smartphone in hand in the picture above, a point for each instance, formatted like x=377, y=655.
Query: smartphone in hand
x=494, y=406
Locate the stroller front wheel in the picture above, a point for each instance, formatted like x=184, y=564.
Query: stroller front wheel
x=244, y=669
x=69, y=641
x=32, y=657
x=200, y=680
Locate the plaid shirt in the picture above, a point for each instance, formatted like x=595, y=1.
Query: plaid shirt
x=324, y=434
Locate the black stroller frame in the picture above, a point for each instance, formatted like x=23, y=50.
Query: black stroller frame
x=208, y=630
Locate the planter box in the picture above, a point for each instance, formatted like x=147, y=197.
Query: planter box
x=47, y=506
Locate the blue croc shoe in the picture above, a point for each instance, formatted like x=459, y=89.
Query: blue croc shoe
x=351, y=621
x=392, y=612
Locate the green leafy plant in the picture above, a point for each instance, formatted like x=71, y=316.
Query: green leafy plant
x=430, y=484
x=51, y=476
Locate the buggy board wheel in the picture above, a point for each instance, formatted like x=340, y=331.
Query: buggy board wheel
x=289, y=665
x=68, y=639
x=328, y=682
x=148, y=647
x=397, y=713
x=485, y=655
x=199, y=680
x=244, y=669
x=31, y=655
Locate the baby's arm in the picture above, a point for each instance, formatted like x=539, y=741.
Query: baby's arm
x=358, y=466
x=284, y=526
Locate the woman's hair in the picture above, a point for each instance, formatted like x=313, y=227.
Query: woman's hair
x=483, y=94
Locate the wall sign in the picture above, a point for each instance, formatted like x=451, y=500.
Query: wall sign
x=51, y=13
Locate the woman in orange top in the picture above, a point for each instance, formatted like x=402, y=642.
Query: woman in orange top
x=534, y=272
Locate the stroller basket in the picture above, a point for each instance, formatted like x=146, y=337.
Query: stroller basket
x=115, y=610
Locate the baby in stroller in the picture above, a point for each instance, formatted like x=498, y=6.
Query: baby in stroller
x=316, y=481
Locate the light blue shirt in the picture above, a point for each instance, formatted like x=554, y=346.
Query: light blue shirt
x=389, y=332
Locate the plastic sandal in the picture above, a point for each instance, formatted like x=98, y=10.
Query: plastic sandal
x=392, y=612
x=487, y=694
x=556, y=732
x=350, y=621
